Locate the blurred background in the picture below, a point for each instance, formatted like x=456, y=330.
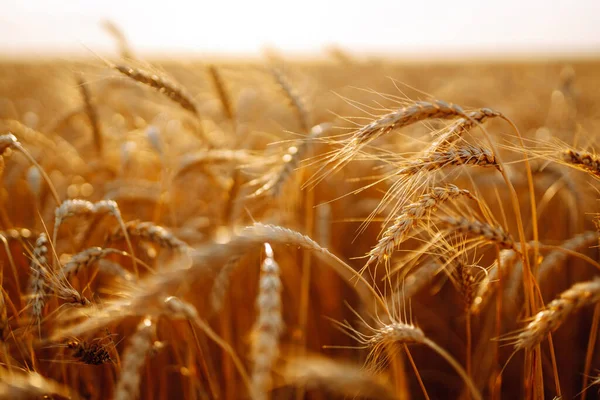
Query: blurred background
x=433, y=28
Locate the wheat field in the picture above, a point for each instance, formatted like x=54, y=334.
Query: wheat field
x=291, y=229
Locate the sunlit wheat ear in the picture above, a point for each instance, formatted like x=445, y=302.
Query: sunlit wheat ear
x=92, y=115
x=167, y=87
x=30, y=385
x=221, y=89
x=504, y=266
x=582, y=160
x=61, y=288
x=557, y=311
x=383, y=339
x=267, y=327
x=554, y=260
x=402, y=117
x=459, y=128
x=479, y=229
x=78, y=207
x=466, y=154
x=84, y=259
x=294, y=98
x=37, y=287
x=150, y=232
x=221, y=284
x=134, y=358
x=336, y=378
x=410, y=215
x=290, y=161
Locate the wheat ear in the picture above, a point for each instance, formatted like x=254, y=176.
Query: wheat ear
x=337, y=378
x=221, y=90
x=464, y=155
x=85, y=258
x=544, y=322
x=460, y=127
x=290, y=159
x=151, y=232
x=20, y=385
x=582, y=160
x=384, y=337
x=92, y=115
x=74, y=207
x=397, y=119
x=37, y=286
x=267, y=328
x=556, y=258
x=409, y=217
x=491, y=234
x=128, y=386
x=294, y=97
x=167, y=87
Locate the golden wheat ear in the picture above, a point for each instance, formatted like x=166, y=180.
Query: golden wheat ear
x=337, y=378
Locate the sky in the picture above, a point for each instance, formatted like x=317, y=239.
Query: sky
x=247, y=27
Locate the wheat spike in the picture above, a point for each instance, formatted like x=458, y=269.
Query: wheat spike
x=128, y=386
x=268, y=326
x=582, y=160
x=163, y=85
x=544, y=322
x=409, y=216
x=492, y=234
x=37, y=286
x=337, y=378
x=459, y=128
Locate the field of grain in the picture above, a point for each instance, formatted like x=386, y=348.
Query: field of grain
x=283, y=229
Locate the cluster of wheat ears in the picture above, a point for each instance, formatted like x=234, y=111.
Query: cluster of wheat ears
x=288, y=230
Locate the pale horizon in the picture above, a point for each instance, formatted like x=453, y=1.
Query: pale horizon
x=39, y=27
